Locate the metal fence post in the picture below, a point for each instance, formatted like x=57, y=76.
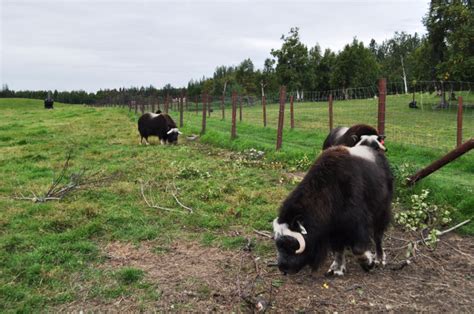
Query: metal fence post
x=459, y=124
x=204, y=104
x=292, y=113
x=281, y=115
x=331, y=125
x=264, y=108
x=381, y=108
x=233, y=133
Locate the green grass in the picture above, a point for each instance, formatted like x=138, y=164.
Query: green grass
x=51, y=251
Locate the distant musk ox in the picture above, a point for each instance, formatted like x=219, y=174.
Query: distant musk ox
x=344, y=201
x=158, y=124
x=349, y=136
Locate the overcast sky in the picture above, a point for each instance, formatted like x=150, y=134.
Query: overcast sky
x=94, y=44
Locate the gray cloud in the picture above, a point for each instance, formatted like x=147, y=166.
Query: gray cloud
x=104, y=44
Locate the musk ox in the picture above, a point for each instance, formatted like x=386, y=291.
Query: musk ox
x=158, y=124
x=349, y=136
x=344, y=201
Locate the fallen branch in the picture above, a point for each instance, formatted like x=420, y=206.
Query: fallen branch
x=179, y=203
x=263, y=233
x=152, y=204
x=76, y=181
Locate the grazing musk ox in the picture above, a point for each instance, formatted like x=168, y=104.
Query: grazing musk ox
x=349, y=136
x=158, y=124
x=343, y=201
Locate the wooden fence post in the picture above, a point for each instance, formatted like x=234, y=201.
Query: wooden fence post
x=204, y=104
x=331, y=125
x=167, y=100
x=233, y=133
x=459, y=124
x=281, y=115
x=381, y=108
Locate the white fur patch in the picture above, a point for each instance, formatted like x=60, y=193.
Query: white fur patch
x=371, y=139
x=152, y=115
x=364, y=152
x=279, y=228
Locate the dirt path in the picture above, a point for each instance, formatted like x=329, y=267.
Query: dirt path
x=196, y=278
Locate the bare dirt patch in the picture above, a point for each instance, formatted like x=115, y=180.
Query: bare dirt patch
x=192, y=277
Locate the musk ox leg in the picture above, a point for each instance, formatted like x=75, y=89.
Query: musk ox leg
x=162, y=142
x=146, y=140
x=380, y=257
x=338, y=267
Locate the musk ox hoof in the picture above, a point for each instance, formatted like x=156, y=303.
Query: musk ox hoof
x=367, y=267
x=336, y=269
x=335, y=272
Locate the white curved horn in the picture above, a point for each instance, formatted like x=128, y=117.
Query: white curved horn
x=299, y=237
x=282, y=229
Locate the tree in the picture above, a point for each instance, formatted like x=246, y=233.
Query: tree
x=355, y=66
x=292, y=60
x=245, y=76
x=396, y=57
x=450, y=39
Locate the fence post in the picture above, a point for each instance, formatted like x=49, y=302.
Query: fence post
x=209, y=105
x=381, y=109
x=167, y=99
x=196, y=102
x=240, y=107
x=136, y=107
x=264, y=107
x=181, y=110
x=204, y=103
x=331, y=125
x=292, y=113
x=281, y=115
x=233, y=133
x=223, y=107
x=186, y=101
x=142, y=108
x=459, y=127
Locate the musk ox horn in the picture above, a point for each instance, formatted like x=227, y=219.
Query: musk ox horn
x=174, y=130
x=282, y=229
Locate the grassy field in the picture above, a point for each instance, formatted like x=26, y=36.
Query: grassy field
x=51, y=253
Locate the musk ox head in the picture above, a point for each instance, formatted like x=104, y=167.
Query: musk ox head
x=173, y=135
x=291, y=246
x=374, y=141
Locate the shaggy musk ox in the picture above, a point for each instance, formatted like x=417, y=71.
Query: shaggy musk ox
x=349, y=136
x=343, y=202
x=158, y=124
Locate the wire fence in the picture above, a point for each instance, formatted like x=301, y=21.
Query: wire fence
x=427, y=113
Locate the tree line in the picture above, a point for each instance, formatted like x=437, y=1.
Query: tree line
x=445, y=53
